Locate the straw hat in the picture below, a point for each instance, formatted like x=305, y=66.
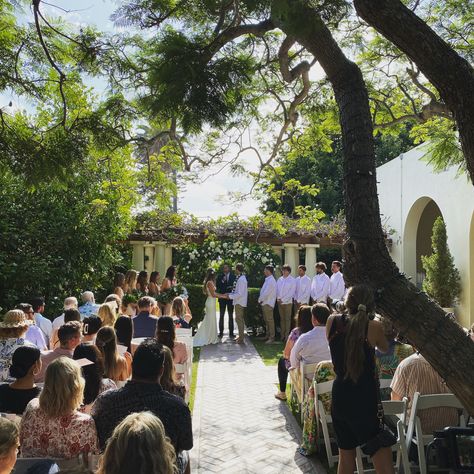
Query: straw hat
x=15, y=318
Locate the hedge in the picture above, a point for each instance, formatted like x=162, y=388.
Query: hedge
x=197, y=302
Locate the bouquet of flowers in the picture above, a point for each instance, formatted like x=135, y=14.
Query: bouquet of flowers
x=167, y=296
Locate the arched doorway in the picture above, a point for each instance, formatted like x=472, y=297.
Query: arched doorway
x=417, y=237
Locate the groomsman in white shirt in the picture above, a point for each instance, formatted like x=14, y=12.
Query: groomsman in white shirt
x=337, y=286
x=320, y=284
x=286, y=287
x=239, y=298
x=267, y=299
x=303, y=287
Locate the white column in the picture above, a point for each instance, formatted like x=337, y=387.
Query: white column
x=310, y=259
x=277, y=249
x=292, y=257
x=159, y=263
x=149, y=257
x=138, y=256
x=168, y=256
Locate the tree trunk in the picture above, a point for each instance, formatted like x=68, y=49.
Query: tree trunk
x=367, y=260
x=451, y=74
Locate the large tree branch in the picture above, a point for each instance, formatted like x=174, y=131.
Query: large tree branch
x=451, y=74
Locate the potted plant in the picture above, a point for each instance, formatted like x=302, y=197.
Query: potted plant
x=442, y=282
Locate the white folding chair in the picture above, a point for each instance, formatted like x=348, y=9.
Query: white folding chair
x=185, y=335
x=385, y=383
x=396, y=408
x=183, y=369
x=422, y=402
x=302, y=379
x=184, y=332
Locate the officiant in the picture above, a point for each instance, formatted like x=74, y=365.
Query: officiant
x=225, y=284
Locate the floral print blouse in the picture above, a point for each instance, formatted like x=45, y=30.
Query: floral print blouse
x=64, y=438
x=7, y=348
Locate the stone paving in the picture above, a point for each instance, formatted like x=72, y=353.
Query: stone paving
x=239, y=427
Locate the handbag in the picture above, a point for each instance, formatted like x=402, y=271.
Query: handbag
x=384, y=438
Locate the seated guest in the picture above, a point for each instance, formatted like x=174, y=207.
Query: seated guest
x=116, y=367
x=304, y=324
x=144, y=324
x=14, y=397
x=9, y=444
x=69, y=338
x=34, y=334
x=12, y=335
x=144, y=393
x=88, y=306
x=415, y=374
x=43, y=323
x=116, y=299
x=107, y=314
x=124, y=331
x=51, y=425
x=169, y=380
x=313, y=347
x=90, y=328
x=166, y=335
x=71, y=314
x=181, y=313
x=93, y=374
x=69, y=303
x=138, y=444
x=387, y=362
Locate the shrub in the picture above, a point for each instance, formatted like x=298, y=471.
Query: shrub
x=442, y=280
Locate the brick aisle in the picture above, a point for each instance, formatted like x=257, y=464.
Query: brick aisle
x=239, y=427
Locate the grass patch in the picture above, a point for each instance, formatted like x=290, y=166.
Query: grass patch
x=192, y=390
x=270, y=353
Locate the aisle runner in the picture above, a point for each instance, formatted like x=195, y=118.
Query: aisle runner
x=239, y=427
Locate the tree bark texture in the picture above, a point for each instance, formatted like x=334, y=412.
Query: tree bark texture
x=367, y=260
x=451, y=74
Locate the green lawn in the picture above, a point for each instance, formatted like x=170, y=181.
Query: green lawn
x=192, y=393
x=270, y=353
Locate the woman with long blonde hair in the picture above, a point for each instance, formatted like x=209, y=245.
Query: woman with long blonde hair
x=52, y=426
x=353, y=337
x=139, y=444
x=169, y=379
x=107, y=315
x=130, y=281
x=181, y=313
x=116, y=367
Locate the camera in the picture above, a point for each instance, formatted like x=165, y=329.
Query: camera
x=338, y=306
x=453, y=448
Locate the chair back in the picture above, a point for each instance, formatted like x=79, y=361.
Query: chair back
x=184, y=332
x=396, y=407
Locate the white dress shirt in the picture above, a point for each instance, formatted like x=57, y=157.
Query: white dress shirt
x=239, y=295
x=35, y=335
x=303, y=289
x=337, y=287
x=320, y=288
x=45, y=325
x=286, y=287
x=311, y=347
x=268, y=293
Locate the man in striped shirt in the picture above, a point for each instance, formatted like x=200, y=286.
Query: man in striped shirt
x=415, y=374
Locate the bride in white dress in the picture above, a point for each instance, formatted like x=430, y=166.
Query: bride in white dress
x=207, y=330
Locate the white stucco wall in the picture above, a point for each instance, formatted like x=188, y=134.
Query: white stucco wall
x=405, y=185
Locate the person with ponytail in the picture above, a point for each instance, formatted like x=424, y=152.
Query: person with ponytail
x=116, y=367
x=26, y=364
x=353, y=337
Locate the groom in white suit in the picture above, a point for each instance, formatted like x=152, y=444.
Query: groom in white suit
x=239, y=298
